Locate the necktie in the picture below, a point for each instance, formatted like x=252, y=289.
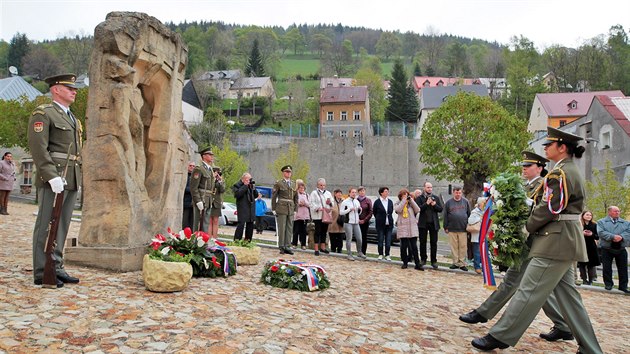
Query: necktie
x=289, y=183
x=71, y=117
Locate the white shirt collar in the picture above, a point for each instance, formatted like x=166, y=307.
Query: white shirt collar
x=65, y=109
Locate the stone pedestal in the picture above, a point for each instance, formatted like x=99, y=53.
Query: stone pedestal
x=120, y=259
x=165, y=277
x=246, y=256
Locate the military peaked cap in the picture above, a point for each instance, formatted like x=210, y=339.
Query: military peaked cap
x=207, y=150
x=68, y=80
x=530, y=158
x=286, y=168
x=557, y=135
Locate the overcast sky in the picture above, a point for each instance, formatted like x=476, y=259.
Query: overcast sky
x=545, y=22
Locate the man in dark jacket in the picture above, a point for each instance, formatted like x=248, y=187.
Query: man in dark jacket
x=245, y=193
x=429, y=222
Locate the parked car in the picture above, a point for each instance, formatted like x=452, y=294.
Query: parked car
x=229, y=213
x=372, y=236
x=269, y=221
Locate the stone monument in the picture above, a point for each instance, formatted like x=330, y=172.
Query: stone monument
x=135, y=155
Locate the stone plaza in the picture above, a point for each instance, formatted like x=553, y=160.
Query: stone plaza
x=370, y=307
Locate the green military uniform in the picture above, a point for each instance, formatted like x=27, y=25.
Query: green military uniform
x=557, y=243
x=284, y=200
x=53, y=133
x=202, y=188
x=504, y=292
x=217, y=195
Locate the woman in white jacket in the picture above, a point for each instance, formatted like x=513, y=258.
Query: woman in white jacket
x=352, y=208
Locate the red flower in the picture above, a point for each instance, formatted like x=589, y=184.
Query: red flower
x=168, y=229
x=156, y=245
x=187, y=232
x=181, y=254
x=160, y=237
x=214, y=261
x=274, y=268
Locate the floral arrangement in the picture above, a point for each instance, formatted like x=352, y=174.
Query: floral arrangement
x=207, y=256
x=294, y=275
x=508, y=219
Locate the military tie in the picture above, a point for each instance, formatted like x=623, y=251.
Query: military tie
x=289, y=183
x=74, y=120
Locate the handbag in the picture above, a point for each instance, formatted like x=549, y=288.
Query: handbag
x=326, y=213
x=474, y=228
x=341, y=219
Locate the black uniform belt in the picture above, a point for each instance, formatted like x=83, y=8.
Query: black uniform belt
x=63, y=155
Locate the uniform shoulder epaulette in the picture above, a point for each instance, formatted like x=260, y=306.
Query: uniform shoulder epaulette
x=41, y=108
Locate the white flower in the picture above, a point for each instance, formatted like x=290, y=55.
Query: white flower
x=200, y=242
x=283, y=267
x=205, y=263
x=494, y=245
x=499, y=202
x=182, y=235
x=493, y=227
x=165, y=250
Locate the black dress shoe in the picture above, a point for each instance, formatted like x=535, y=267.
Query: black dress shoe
x=608, y=287
x=281, y=250
x=473, y=317
x=465, y=269
x=434, y=265
x=418, y=267
x=488, y=343
x=326, y=251
x=453, y=266
x=67, y=279
x=317, y=253
x=40, y=282
x=625, y=291
x=288, y=251
x=556, y=334
x=404, y=266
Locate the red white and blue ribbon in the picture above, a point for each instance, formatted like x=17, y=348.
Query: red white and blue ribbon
x=310, y=270
x=485, y=236
x=226, y=262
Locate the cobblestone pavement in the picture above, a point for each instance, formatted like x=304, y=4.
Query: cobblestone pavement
x=370, y=307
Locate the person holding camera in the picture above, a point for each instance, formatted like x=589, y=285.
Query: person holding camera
x=245, y=193
x=428, y=223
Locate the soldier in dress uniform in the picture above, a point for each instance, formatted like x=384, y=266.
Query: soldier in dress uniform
x=533, y=169
x=201, y=188
x=284, y=200
x=54, y=139
x=557, y=242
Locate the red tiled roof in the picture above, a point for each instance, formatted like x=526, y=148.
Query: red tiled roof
x=419, y=81
x=619, y=116
x=344, y=94
x=559, y=104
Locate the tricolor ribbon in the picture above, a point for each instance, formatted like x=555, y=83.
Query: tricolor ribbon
x=226, y=261
x=310, y=270
x=485, y=236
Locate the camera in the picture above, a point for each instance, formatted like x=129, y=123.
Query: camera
x=408, y=197
x=252, y=182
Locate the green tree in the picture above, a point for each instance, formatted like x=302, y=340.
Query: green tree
x=416, y=69
x=14, y=123
x=619, y=53
x=374, y=82
x=605, y=190
x=388, y=45
x=403, y=102
x=40, y=63
x=338, y=60
x=321, y=43
x=290, y=157
x=213, y=130
x=293, y=38
x=74, y=52
x=255, y=66
x=231, y=163
x=4, y=64
x=18, y=48
x=470, y=139
x=456, y=60
x=411, y=44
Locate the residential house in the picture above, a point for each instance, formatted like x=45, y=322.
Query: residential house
x=192, y=110
x=252, y=87
x=431, y=98
x=497, y=86
x=558, y=109
x=606, y=129
x=344, y=112
x=220, y=80
x=12, y=88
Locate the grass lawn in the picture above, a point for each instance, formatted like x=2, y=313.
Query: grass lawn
x=290, y=67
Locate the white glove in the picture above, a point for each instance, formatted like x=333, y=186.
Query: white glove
x=200, y=206
x=274, y=213
x=56, y=184
x=529, y=202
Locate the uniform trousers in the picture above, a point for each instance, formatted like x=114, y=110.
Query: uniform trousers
x=285, y=230
x=206, y=219
x=495, y=302
x=620, y=257
x=541, y=278
x=46, y=198
x=458, y=242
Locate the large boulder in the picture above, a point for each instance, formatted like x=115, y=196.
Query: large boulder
x=165, y=277
x=245, y=255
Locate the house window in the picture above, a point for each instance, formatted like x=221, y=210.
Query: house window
x=330, y=117
x=27, y=172
x=573, y=105
x=343, y=133
x=563, y=123
x=344, y=115
x=356, y=134
x=606, y=140
x=357, y=115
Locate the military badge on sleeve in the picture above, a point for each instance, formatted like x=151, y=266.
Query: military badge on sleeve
x=38, y=127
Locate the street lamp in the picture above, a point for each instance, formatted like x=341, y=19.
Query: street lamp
x=358, y=150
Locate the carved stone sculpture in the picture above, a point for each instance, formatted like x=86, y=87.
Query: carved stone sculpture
x=135, y=155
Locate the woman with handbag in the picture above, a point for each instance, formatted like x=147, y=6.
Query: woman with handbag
x=335, y=230
x=473, y=227
x=321, y=205
x=302, y=216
